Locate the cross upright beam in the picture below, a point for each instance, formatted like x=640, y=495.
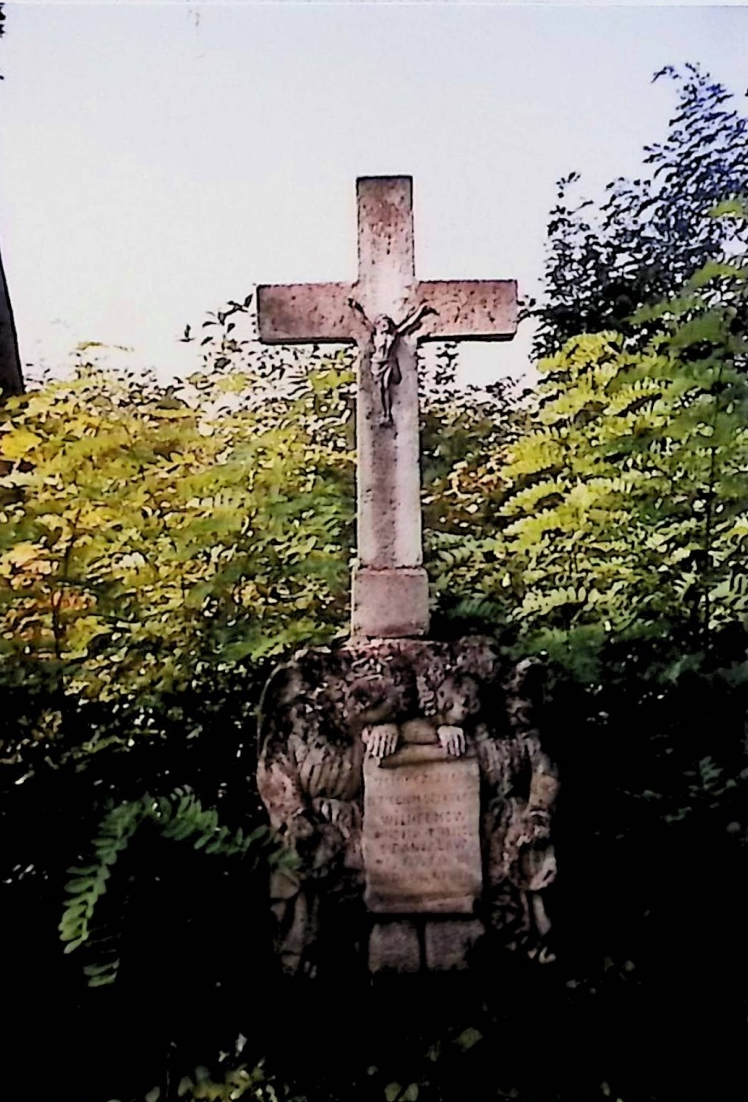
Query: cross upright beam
x=386, y=312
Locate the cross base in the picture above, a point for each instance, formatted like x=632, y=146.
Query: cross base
x=390, y=604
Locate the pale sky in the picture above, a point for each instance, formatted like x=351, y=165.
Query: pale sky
x=159, y=159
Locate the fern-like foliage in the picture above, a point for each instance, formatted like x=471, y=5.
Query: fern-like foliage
x=622, y=512
x=181, y=817
x=629, y=504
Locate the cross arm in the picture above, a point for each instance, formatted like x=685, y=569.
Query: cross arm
x=468, y=309
x=299, y=313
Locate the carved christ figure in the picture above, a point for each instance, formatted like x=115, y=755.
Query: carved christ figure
x=384, y=335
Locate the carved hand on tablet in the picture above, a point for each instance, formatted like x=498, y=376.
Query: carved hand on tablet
x=380, y=739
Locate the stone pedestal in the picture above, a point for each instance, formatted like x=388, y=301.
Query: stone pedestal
x=408, y=779
x=448, y=944
x=419, y=944
x=391, y=603
x=395, y=947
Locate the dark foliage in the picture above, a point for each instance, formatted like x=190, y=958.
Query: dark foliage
x=647, y=238
x=646, y=999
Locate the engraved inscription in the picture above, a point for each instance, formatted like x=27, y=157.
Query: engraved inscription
x=421, y=840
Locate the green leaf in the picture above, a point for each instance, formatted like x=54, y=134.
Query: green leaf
x=468, y=1038
x=104, y=980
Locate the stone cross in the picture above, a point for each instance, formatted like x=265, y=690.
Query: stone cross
x=386, y=313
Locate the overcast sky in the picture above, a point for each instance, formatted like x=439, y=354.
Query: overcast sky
x=159, y=159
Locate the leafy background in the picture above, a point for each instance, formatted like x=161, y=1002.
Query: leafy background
x=163, y=546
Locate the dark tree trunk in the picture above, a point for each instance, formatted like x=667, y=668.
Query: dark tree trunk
x=11, y=376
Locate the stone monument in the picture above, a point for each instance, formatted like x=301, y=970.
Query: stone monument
x=405, y=774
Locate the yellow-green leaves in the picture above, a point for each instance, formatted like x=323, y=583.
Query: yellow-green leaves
x=140, y=532
x=16, y=443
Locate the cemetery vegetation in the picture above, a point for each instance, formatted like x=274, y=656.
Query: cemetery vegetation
x=162, y=547
x=645, y=237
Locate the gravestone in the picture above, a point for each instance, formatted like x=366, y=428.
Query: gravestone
x=405, y=774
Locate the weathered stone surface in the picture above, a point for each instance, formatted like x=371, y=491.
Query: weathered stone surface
x=448, y=943
x=297, y=313
x=469, y=309
x=390, y=604
x=394, y=947
x=446, y=733
x=421, y=832
x=386, y=312
x=400, y=699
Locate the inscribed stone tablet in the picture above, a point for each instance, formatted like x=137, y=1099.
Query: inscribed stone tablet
x=421, y=837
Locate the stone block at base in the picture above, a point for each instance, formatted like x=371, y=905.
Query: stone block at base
x=394, y=947
x=448, y=943
x=390, y=604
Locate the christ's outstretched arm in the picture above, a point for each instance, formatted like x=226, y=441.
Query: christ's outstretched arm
x=360, y=310
x=414, y=319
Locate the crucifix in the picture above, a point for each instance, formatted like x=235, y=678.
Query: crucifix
x=387, y=312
